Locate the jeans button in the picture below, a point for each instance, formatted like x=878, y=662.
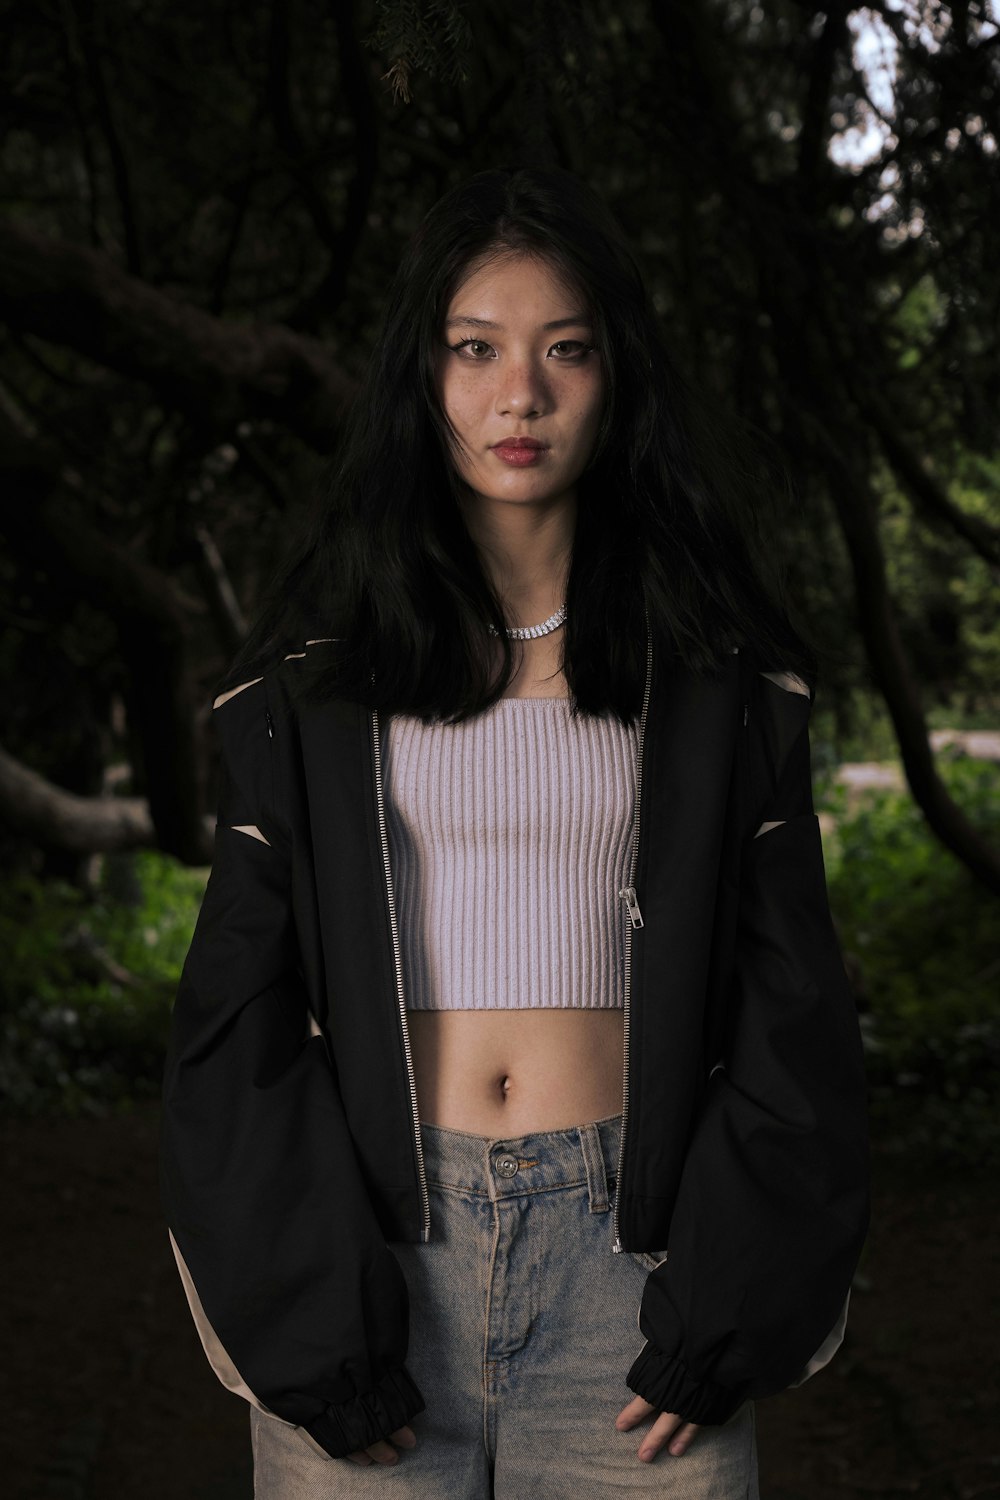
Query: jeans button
x=505, y=1165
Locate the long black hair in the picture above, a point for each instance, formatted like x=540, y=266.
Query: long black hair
x=670, y=516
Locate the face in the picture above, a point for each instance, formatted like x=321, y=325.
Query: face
x=520, y=381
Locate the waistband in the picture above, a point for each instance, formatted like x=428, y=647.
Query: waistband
x=513, y=1165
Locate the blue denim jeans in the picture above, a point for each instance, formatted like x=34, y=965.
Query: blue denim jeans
x=523, y=1324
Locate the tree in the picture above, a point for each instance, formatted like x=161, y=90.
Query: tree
x=205, y=208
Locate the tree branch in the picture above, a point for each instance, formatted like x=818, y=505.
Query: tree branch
x=112, y=136
x=267, y=474
x=830, y=433
x=286, y=130
x=225, y=606
x=856, y=507
x=812, y=158
x=241, y=199
x=929, y=496
x=53, y=817
x=153, y=632
x=75, y=65
x=217, y=373
x=353, y=75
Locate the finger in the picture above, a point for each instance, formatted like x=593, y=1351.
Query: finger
x=360, y=1458
x=670, y=1429
x=636, y=1411
x=658, y=1435
x=404, y=1436
x=683, y=1438
x=383, y=1452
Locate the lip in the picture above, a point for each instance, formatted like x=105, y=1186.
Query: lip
x=519, y=451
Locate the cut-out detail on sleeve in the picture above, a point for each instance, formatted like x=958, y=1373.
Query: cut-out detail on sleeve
x=225, y=697
x=318, y=641
x=252, y=830
x=764, y=827
x=790, y=681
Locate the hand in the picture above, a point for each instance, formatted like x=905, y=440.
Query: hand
x=383, y=1452
x=667, y=1423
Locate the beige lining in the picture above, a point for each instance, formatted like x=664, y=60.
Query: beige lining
x=219, y=1359
x=790, y=681
x=827, y=1348
x=294, y=655
x=252, y=830
x=212, y=1344
x=225, y=697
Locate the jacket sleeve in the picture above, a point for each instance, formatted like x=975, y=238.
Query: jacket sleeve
x=276, y=1238
x=773, y=1204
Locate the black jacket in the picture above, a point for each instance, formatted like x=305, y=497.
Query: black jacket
x=290, y=1143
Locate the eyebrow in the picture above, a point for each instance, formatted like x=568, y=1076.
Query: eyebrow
x=574, y=322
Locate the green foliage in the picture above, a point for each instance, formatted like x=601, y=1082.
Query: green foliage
x=920, y=937
x=421, y=36
x=88, y=981
x=854, y=727
x=917, y=316
x=945, y=596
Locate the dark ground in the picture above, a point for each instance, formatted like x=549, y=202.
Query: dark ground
x=105, y=1393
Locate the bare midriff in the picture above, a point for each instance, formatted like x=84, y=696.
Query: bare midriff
x=510, y=1072
x=513, y=1072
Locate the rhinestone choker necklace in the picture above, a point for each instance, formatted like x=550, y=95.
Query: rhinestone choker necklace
x=532, y=632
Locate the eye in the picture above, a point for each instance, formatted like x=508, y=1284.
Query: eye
x=476, y=349
x=571, y=349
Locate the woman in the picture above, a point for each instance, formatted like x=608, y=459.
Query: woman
x=514, y=1114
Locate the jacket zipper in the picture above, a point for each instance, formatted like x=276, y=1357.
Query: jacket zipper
x=628, y=895
x=425, y=1231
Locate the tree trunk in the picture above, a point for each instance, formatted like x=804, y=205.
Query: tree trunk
x=154, y=632
x=58, y=819
x=857, y=510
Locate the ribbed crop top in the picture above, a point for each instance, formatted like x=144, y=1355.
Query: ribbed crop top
x=509, y=840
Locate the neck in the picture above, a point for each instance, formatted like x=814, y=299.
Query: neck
x=526, y=551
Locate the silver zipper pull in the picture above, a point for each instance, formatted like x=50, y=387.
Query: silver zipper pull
x=617, y=1248
x=627, y=894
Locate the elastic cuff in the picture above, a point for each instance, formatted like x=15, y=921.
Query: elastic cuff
x=356, y=1424
x=665, y=1383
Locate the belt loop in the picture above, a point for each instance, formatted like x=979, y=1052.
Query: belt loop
x=597, y=1177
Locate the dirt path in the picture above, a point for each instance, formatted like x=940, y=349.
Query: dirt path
x=861, y=775
x=106, y=1395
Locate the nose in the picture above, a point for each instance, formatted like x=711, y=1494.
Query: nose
x=523, y=392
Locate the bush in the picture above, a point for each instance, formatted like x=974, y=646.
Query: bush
x=88, y=981
x=919, y=935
